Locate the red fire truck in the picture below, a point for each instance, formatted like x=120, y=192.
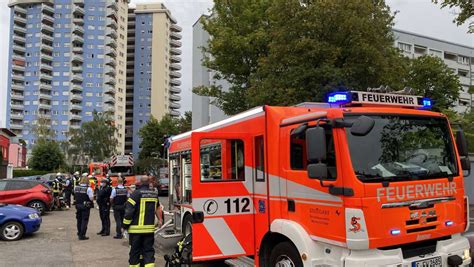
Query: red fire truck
x=367, y=179
x=119, y=164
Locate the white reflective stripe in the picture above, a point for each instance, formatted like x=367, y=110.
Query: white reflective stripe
x=217, y=206
x=223, y=236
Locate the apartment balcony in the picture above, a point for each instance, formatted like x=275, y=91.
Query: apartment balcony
x=110, y=71
x=76, y=97
x=78, y=20
x=111, y=33
x=76, y=89
x=76, y=69
x=75, y=117
x=77, y=78
x=110, y=81
x=109, y=99
x=111, y=23
x=19, y=9
x=45, y=97
x=78, y=30
x=48, y=9
x=18, y=68
x=16, y=116
x=78, y=2
x=175, y=90
x=19, y=20
x=45, y=86
x=175, y=51
x=112, y=14
x=110, y=61
x=77, y=59
x=17, y=106
x=175, y=97
x=47, y=18
x=175, y=74
x=46, y=57
x=174, y=105
x=75, y=107
x=18, y=78
x=46, y=76
x=19, y=39
x=17, y=86
x=76, y=39
x=78, y=49
x=75, y=126
x=16, y=125
x=109, y=108
x=110, y=52
x=113, y=5
x=46, y=48
x=19, y=29
x=48, y=38
x=18, y=97
x=111, y=42
x=175, y=28
x=175, y=82
x=175, y=113
x=175, y=36
x=19, y=49
x=46, y=67
x=175, y=43
x=47, y=29
x=78, y=11
x=44, y=106
x=109, y=89
x=175, y=59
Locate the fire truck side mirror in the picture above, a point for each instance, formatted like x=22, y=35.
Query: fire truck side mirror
x=461, y=143
x=317, y=171
x=198, y=216
x=315, y=144
x=362, y=126
x=466, y=165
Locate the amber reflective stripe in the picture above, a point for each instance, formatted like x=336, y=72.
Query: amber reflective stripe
x=131, y=201
x=125, y=221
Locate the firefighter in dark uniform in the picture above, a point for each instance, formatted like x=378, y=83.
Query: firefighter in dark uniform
x=57, y=190
x=140, y=210
x=118, y=198
x=68, y=187
x=103, y=201
x=84, y=203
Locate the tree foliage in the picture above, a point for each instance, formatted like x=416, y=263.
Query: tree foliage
x=95, y=139
x=466, y=8
x=154, y=133
x=46, y=155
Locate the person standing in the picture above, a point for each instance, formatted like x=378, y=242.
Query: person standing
x=84, y=197
x=57, y=189
x=103, y=201
x=68, y=187
x=118, y=198
x=140, y=210
x=76, y=178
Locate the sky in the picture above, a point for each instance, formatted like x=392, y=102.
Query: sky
x=417, y=16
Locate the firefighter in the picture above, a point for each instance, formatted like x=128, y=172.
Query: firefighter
x=118, y=198
x=84, y=203
x=57, y=189
x=68, y=187
x=140, y=210
x=103, y=201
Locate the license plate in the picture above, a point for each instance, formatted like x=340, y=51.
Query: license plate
x=432, y=262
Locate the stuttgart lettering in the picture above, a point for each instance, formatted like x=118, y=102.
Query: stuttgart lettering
x=410, y=192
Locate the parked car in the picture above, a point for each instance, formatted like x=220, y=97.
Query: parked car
x=163, y=186
x=16, y=221
x=31, y=178
x=33, y=194
x=48, y=178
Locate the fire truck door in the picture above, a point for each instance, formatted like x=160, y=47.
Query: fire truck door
x=222, y=195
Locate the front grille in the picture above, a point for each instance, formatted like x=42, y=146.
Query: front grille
x=418, y=248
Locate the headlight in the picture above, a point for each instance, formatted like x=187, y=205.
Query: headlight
x=33, y=216
x=467, y=254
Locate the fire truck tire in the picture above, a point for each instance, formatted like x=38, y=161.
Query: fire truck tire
x=187, y=224
x=285, y=254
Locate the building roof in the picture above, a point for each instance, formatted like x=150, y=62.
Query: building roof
x=7, y=132
x=434, y=39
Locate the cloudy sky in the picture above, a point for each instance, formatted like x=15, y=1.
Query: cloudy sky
x=418, y=16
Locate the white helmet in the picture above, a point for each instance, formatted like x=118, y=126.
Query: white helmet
x=90, y=176
x=58, y=174
x=76, y=173
x=85, y=174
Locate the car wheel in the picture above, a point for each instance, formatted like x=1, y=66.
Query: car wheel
x=11, y=231
x=285, y=255
x=187, y=225
x=37, y=205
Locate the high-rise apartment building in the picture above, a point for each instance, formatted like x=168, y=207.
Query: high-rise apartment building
x=156, y=67
x=67, y=59
x=130, y=78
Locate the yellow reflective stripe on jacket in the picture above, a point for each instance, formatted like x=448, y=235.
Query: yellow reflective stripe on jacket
x=135, y=229
x=150, y=265
x=141, y=215
x=134, y=265
x=131, y=201
x=125, y=221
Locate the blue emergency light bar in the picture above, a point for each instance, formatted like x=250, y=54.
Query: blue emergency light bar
x=372, y=98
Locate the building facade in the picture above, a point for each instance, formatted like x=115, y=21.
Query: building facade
x=67, y=59
x=459, y=58
x=156, y=68
x=130, y=81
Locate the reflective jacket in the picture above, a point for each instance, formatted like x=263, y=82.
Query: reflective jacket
x=140, y=211
x=57, y=186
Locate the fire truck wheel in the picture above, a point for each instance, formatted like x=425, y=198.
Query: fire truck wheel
x=285, y=255
x=187, y=224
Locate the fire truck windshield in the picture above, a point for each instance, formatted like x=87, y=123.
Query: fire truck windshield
x=401, y=148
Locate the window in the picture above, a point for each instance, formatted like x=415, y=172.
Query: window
x=463, y=60
x=298, y=160
x=222, y=160
x=18, y=185
x=404, y=47
x=259, y=158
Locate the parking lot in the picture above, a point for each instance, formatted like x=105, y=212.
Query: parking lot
x=56, y=244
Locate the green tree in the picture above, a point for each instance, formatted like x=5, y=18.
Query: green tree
x=431, y=77
x=46, y=156
x=283, y=52
x=95, y=139
x=466, y=8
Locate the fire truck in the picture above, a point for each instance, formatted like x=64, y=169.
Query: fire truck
x=118, y=164
x=366, y=179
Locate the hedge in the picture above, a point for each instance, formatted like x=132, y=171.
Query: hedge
x=21, y=173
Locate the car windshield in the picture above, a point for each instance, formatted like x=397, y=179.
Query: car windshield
x=403, y=148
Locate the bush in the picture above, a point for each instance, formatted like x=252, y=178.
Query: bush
x=21, y=173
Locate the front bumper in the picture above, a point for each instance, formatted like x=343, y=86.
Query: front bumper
x=394, y=257
x=32, y=225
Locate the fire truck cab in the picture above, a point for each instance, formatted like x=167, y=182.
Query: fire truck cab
x=367, y=179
